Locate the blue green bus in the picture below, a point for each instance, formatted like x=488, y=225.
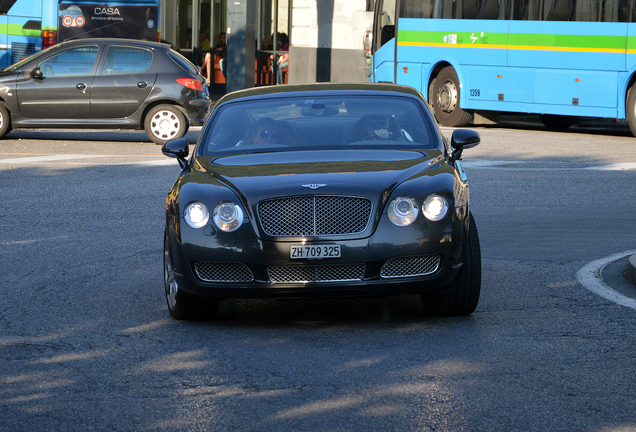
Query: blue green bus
x=29, y=26
x=561, y=59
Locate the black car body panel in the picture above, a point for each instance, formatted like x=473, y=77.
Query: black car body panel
x=311, y=169
x=101, y=83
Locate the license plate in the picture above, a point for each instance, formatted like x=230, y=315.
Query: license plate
x=314, y=252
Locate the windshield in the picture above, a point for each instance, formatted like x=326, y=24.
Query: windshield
x=319, y=123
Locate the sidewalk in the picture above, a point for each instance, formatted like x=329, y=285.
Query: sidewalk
x=630, y=270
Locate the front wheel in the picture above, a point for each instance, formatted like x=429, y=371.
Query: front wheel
x=444, y=96
x=5, y=120
x=164, y=123
x=463, y=291
x=181, y=305
x=630, y=110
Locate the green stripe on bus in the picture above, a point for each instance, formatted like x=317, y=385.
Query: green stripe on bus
x=437, y=37
x=568, y=41
x=17, y=30
x=517, y=39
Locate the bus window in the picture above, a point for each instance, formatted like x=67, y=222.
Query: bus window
x=5, y=6
x=446, y=9
x=527, y=10
x=423, y=9
x=387, y=21
x=586, y=10
x=557, y=10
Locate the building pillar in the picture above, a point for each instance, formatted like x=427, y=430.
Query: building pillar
x=241, y=44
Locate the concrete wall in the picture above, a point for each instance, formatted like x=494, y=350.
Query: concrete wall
x=327, y=41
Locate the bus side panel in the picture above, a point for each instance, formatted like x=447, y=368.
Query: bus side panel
x=576, y=63
x=27, y=8
x=410, y=74
x=22, y=31
x=383, y=61
x=4, y=42
x=576, y=88
x=499, y=84
x=630, y=67
x=568, y=45
x=463, y=43
x=474, y=42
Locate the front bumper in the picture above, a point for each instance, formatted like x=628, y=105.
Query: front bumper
x=198, y=111
x=446, y=240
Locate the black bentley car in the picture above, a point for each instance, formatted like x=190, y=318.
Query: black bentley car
x=321, y=190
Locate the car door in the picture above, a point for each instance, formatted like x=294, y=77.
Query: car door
x=63, y=92
x=125, y=78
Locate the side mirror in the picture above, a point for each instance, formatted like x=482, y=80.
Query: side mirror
x=37, y=73
x=177, y=149
x=368, y=42
x=463, y=139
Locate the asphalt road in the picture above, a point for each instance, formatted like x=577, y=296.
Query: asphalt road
x=86, y=341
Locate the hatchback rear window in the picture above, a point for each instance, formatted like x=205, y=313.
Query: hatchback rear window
x=183, y=62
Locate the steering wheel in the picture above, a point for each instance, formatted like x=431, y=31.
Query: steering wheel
x=374, y=137
x=47, y=70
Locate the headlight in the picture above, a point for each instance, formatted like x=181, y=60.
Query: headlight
x=403, y=211
x=227, y=216
x=435, y=207
x=196, y=214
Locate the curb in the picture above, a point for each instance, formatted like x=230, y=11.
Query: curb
x=630, y=271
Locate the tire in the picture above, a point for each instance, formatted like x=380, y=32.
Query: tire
x=5, y=121
x=164, y=123
x=463, y=291
x=444, y=97
x=557, y=122
x=181, y=305
x=630, y=110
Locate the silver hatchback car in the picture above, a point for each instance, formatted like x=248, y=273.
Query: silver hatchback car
x=105, y=83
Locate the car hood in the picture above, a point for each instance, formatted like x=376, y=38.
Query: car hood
x=371, y=173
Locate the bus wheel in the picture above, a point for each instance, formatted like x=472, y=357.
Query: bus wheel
x=5, y=120
x=557, y=122
x=444, y=98
x=630, y=110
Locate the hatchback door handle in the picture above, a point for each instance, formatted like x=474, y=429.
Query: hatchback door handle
x=81, y=86
x=142, y=84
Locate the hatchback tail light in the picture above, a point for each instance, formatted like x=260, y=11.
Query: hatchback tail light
x=191, y=83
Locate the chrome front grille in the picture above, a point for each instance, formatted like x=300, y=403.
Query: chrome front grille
x=314, y=215
x=306, y=274
x=410, y=266
x=223, y=272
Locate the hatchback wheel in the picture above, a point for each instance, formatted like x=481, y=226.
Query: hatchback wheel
x=164, y=123
x=5, y=120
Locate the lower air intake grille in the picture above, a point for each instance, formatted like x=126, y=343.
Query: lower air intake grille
x=223, y=272
x=410, y=266
x=306, y=274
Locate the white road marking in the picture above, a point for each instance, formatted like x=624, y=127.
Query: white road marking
x=525, y=165
x=590, y=278
x=49, y=158
x=545, y=166
x=71, y=159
